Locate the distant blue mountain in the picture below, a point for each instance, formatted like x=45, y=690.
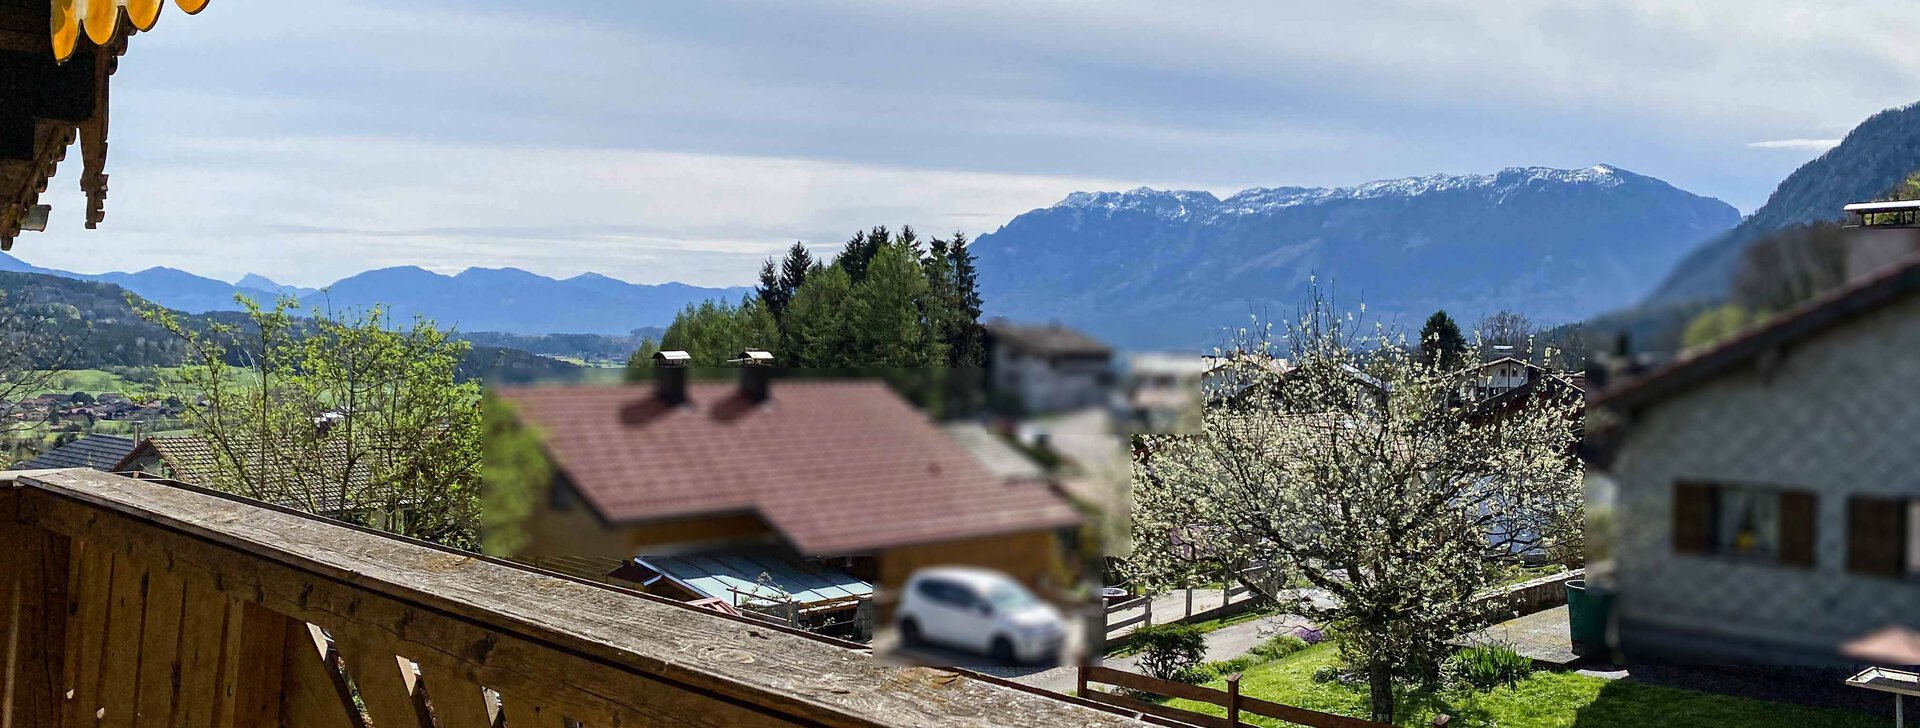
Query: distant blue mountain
x=478, y=299
x=262, y=283
x=1153, y=268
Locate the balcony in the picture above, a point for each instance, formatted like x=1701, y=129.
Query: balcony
x=128, y=602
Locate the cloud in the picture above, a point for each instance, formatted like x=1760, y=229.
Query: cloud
x=1819, y=145
x=662, y=141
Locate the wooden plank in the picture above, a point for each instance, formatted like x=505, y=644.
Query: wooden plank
x=259, y=686
x=457, y=702
x=317, y=694
x=609, y=652
x=1303, y=716
x=1158, y=711
x=34, y=571
x=526, y=713
x=226, y=686
x=160, y=648
x=383, y=685
x=1123, y=624
x=203, y=626
x=120, y=667
x=87, y=639
x=1169, y=688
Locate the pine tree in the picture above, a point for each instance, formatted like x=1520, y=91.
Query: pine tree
x=793, y=271
x=771, y=292
x=1442, y=344
x=967, y=344
x=860, y=250
x=889, y=329
x=817, y=332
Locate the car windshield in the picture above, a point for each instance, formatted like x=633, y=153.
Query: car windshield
x=1009, y=597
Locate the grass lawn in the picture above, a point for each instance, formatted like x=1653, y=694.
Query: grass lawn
x=1543, y=700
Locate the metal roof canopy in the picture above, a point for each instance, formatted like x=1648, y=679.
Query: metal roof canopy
x=1882, y=206
x=1899, y=682
x=720, y=575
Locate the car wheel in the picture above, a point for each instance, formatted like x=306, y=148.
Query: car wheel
x=1003, y=652
x=909, y=632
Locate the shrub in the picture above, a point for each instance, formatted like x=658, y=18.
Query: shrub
x=1308, y=634
x=1170, y=651
x=1485, y=667
x=1280, y=646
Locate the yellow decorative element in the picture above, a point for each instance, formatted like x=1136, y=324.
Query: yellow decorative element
x=99, y=18
x=66, y=29
x=143, y=13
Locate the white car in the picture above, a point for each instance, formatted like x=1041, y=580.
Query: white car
x=981, y=611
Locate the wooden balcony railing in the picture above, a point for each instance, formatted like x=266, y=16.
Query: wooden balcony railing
x=133, y=603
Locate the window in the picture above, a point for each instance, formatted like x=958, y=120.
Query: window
x=1883, y=536
x=1746, y=522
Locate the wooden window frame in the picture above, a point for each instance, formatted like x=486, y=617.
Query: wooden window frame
x=1798, y=526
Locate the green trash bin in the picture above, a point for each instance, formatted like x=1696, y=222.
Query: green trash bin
x=1587, y=613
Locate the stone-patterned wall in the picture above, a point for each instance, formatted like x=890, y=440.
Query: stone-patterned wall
x=1839, y=415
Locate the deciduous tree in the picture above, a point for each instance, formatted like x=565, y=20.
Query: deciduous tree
x=1360, y=474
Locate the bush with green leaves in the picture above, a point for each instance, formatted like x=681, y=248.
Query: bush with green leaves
x=1170, y=651
x=1279, y=646
x=1485, y=667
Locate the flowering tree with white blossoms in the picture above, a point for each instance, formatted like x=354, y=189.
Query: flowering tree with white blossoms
x=1369, y=476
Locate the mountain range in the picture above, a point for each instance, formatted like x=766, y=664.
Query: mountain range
x=1871, y=160
x=1176, y=268
x=506, y=300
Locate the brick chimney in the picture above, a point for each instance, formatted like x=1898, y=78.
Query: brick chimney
x=670, y=376
x=756, y=374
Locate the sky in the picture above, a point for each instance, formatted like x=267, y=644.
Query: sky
x=686, y=141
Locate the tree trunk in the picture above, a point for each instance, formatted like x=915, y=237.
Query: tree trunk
x=1380, y=684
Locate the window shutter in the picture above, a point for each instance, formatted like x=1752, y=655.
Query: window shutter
x=1797, y=513
x=1692, y=518
x=1876, y=533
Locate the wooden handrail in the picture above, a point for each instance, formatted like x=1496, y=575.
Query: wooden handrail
x=1236, y=703
x=138, y=603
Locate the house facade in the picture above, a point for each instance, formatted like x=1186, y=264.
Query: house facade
x=1047, y=368
x=1764, y=494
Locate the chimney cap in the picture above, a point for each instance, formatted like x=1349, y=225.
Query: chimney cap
x=755, y=357
x=671, y=357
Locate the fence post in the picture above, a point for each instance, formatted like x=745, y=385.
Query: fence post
x=1148, y=622
x=1081, y=689
x=1189, y=604
x=1233, y=700
x=1226, y=587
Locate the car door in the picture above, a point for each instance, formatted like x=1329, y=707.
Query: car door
x=973, y=619
x=939, y=616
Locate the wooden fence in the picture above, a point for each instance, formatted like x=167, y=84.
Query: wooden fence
x=1145, y=604
x=134, y=603
x=1235, y=704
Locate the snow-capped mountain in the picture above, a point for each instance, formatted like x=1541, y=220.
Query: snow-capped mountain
x=1173, y=268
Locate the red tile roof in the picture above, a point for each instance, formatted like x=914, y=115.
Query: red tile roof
x=837, y=467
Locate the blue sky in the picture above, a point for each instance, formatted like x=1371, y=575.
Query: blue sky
x=657, y=141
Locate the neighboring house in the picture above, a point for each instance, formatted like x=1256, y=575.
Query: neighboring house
x=100, y=452
x=842, y=473
x=1047, y=368
x=1163, y=390
x=1765, y=491
x=313, y=487
x=1496, y=377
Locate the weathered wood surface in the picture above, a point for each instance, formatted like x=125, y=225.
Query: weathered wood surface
x=553, y=648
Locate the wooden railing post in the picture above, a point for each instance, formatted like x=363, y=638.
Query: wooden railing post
x=1233, y=700
x=1081, y=688
x=1189, y=603
x=1149, y=615
x=33, y=618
